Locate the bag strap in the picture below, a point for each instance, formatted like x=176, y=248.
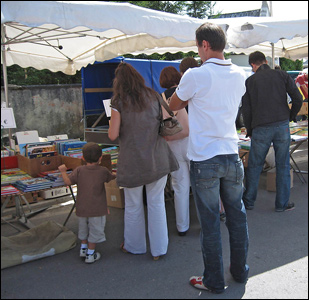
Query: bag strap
x=164, y=104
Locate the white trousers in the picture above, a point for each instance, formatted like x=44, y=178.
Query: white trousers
x=181, y=184
x=134, y=219
x=181, y=187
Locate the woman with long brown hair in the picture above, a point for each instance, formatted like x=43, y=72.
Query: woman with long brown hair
x=144, y=159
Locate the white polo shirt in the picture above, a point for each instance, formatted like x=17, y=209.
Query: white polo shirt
x=214, y=91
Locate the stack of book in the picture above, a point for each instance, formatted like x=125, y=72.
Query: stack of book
x=40, y=149
x=9, y=190
x=74, y=153
x=244, y=145
x=113, y=151
x=64, y=147
x=54, y=177
x=10, y=176
x=34, y=184
x=299, y=132
x=59, y=143
x=7, y=152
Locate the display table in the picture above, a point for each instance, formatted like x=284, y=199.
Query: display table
x=299, y=135
x=294, y=146
x=20, y=215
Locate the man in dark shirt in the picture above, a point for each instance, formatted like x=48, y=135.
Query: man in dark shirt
x=266, y=116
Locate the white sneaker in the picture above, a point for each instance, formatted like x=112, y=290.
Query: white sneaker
x=83, y=252
x=91, y=258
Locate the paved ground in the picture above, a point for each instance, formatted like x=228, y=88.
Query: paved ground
x=278, y=258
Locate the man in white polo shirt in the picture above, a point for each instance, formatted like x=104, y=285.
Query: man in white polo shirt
x=213, y=93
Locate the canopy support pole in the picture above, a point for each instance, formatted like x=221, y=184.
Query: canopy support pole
x=272, y=55
x=5, y=77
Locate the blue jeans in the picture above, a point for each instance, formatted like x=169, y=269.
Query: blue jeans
x=221, y=176
x=262, y=137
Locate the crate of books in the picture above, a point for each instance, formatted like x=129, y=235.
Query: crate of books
x=36, y=165
x=72, y=162
x=40, y=149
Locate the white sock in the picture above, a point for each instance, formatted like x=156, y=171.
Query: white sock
x=90, y=252
x=83, y=246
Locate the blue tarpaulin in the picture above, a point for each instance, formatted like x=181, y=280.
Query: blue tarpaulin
x=101, y=75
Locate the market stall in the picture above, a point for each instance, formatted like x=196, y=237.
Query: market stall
x=66, y=36
x=97, y=81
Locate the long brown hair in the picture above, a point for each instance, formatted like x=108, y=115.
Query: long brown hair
x=129, y=89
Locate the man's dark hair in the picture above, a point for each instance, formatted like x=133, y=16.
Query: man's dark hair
x=257, y=58
x=213, y=34
x=92, y=152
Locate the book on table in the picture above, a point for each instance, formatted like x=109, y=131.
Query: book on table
x=33, y=184
x=9, y=190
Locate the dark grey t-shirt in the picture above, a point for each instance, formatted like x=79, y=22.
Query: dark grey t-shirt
x=144, y=156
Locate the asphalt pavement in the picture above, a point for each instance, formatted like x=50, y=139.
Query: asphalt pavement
x=278, y=256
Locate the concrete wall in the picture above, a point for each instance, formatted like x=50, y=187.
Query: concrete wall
x=49, y=109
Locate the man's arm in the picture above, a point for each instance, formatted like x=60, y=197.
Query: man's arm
x=247, y=113
x=176, y=103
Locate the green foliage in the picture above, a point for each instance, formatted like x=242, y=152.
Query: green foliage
x=290, y=65
x=175, y=7
x=32, y=76
x=199, y=9
x=165, y=56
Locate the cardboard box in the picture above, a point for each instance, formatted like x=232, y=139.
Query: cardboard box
x=55, y=192
x=35, y=166
x=114, y=194
x=72, y=162
x=244, y=155
x=271, y=180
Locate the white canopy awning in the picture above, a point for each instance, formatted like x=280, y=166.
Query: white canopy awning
x=290, y=37
x=64, y=35
x=68, y=35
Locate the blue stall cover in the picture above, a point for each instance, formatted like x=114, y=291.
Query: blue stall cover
x=101, y=75
x=151, y=69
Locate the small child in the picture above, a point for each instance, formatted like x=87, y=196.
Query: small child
x=91, y=204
